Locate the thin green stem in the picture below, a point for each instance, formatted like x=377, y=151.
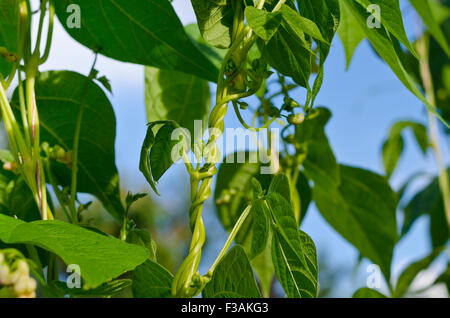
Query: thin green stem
x=444, y=183
x=49, y=33
x=230, y=239
x=76, y=144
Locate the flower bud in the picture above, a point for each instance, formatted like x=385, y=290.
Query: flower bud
x=296, y=119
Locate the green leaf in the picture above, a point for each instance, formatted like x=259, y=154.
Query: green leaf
x=424, y=8
x=9, y=13
x=60, y=96
x=305, y=194
x=142, y=32
x=393, y=146
x=161, y=154
x=233, y=277
x=151, y=280
x=326, y=15
x=215, y=21
x=362, y=209
x=290, y=53
x=143, y=238
x=156, y=152
x=280, y=185
x=107, y=289
x=381, y=40
x=260, y=227
x=368, y=293
x=215, y=55
x=408, y=275
x=391, y=19
x=234, y=191
x=171, y=95
x=350, y=32
x=320, y=164
x=293, y=252
x=428, y=201
x=301, y=25
x=100, y=258
x=264, y=24
x=264, y=268
x=444, y=278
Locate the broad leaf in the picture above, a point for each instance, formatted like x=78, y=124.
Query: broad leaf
x=183, y=98
x=156, y=152
x=61, y=96
x=142, y=32
x=234, y=192
x=293, y=252
x=393, y=146
x=260, y=228
x=390, y=18
x=382, y=41
x=326, y=14
x=424, y=8
x=215, y=21
x=349, y=32
x=107, y=289
x=232, y=278
x=368, y=293
x=320, y=164
x=151, y=280
x=408, y=275
x=100, y=258
x=264, y=24
x=9, y=15
x=428, y=201
x=362, y=209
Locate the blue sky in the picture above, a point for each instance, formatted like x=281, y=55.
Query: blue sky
x=364, y=101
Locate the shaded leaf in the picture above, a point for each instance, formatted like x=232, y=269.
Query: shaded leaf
x=293, y=251
x=408, y=275
x=61, y=96
x=368, y=293
x=151, y=280
x=362, y=209
x=99, y=257
x=232, y=278
x=142, y=32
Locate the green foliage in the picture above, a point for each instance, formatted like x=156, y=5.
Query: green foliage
x=293, y=251
x=61, y=130
x=176, y=96
x=233, y=277
x=408, y=275
x=428, y=201
x=393, y=146
x=63, y=97
x=99, y=257
x=151, y=280
x=153, y=34
x=9, y=11
x=362, y=209
x=368, y=293
x=215, y=20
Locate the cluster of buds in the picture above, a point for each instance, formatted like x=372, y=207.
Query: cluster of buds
x=226, y=196
x=15, y=280
x=59, y=154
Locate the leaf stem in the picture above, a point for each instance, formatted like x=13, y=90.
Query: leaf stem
x=230, y=239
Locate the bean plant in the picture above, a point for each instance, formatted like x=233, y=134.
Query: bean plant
x=251, y=55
